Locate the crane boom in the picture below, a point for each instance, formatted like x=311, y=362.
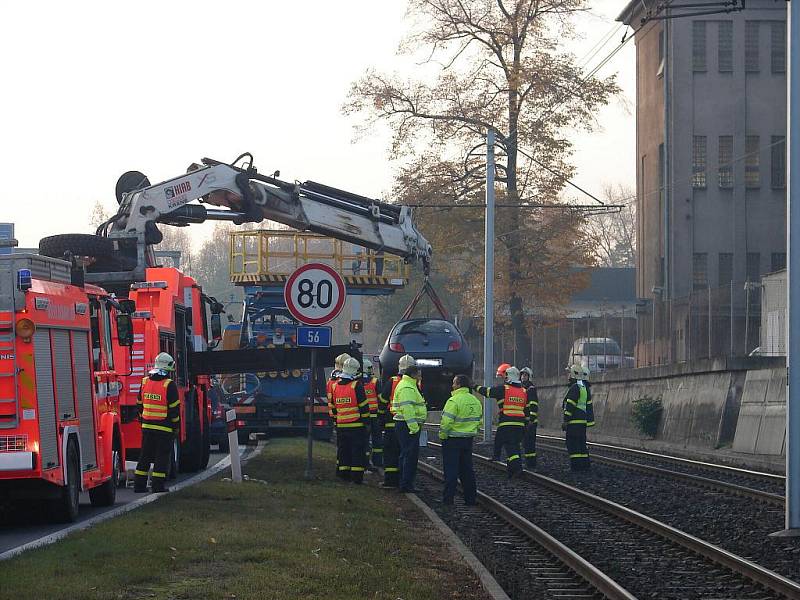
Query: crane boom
x=244, y=196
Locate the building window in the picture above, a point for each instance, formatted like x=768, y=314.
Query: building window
x=699, y=270
x=778, y=261
x=725, y=271
x=778, y=167
x=751, y=46
x=699, y=161
x=752, y=177
x=725, y=47
x=699, y=46
x=726, y=161
x=753, y=266
x=778, y=47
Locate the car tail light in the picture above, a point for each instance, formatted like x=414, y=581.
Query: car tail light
x=320, y=423
x=453, y=346
x=239, y=424
x=396, y=347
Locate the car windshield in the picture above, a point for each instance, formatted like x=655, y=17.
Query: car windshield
x=594, y=348
x=434, y=326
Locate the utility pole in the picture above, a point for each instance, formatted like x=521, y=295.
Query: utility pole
x=793, y=280
x=488, y=300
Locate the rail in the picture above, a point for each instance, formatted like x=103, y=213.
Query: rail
x=270, y=256
x=747, y=569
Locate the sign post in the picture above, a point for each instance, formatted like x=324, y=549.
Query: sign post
x=314, y=294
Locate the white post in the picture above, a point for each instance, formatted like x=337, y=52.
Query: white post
x=793, y=283
x=233, y=445
x=488, y=308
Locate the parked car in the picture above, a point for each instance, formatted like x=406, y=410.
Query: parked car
x=439, y=349
x=596, y=353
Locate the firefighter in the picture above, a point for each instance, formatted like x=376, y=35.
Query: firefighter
x=578, y=415
x=512, y=402
x=391, y=447
x=351, y=411
x=160, y=414
x=371, y=388
x=410, y=413
x=461, y=419
x=498, y=441
x=330, y=384
x=532, y=412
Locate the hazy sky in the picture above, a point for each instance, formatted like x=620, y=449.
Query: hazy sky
x=91, y=89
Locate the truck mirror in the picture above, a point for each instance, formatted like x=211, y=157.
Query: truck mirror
x=216, y=327
x=125, y=329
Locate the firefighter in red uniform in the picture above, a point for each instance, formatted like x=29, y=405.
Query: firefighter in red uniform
x=159, y=412
x=391, y=447
x=371, y=388
x=330, y=384
x=512, y=402
x=498, y=440
x=351, y=411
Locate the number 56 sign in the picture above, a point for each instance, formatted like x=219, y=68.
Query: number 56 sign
x=314, y=294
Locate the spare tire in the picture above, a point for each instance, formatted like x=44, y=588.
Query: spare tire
x=77, y=244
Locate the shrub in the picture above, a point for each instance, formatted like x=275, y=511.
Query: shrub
x=646, y=414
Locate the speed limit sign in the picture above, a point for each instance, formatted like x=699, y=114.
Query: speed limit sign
x=314, y=294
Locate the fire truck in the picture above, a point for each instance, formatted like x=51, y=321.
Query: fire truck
x=62, y=348
x=171, y=314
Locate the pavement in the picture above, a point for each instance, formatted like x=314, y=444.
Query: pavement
x=25, y=525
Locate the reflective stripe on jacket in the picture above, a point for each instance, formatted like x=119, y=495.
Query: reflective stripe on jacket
x=409, y=405
x=385, y=412
x=155, y=410
x=371, y=390
x=578, y=408
x=347, y=410
x=461, y=416
x=509, y=397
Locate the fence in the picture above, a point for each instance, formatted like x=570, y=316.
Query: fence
x=708, y=323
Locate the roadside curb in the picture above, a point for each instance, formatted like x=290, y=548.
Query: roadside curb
x=58, y=535
x=488, y=582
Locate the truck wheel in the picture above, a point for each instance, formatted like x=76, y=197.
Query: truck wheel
x=78, y=244
x=191, y=449
x=64, y=509
x=206, y=441
x=106, y=494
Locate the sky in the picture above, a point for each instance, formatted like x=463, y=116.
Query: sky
x=92, y=89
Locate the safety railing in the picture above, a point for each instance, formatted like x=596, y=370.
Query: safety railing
x=269, y=256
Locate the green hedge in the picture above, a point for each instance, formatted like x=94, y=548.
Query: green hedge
x=646, y=414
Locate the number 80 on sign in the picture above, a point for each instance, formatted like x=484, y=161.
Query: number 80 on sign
x=315, y=294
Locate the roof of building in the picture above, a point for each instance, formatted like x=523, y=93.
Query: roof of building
x=609, y=284
x=631, y=9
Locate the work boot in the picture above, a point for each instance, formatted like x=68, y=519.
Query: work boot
x=160, y=489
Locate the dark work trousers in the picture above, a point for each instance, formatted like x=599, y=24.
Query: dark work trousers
x=351, y=453
x=576, y=447
x=457, y=462
x=497, y=453
x=156, y=451
x=510, y=438
x=391, y=458
x=529, y=445
x=377, y=442
x=409, y=455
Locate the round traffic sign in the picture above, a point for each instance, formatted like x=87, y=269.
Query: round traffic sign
x=314, y=294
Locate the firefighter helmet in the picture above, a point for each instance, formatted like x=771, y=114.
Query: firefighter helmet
x=164, y=362
x=586, y=373
x=512, y=375
x=406, y=361
x=501, y=370
x=528, y=371
x=576, y=371
x=368, y=367
x=339, y=362
x=350, y=368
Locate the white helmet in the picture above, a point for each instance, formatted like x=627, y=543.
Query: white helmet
x=512, y=375
x=586, y=373
x=368, y=367
x=406, y=361
x=164, y=362
x=528, y=371
x=339, y=362
x=576, y=371
x=350, y=368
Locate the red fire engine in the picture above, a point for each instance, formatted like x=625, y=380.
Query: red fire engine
x=171, y=314
x=59, y=385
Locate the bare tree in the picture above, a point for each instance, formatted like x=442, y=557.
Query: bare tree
x=99, y=215
x=493, y=64
x=613, y=235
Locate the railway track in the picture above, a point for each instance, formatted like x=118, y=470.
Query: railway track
x=534, y=563
x=645, y=556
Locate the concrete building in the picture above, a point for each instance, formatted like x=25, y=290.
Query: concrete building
x=711, y=158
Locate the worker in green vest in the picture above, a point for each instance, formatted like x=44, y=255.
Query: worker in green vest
x=459, y=425
x=578, y=415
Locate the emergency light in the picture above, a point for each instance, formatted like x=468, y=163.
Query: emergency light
x=24, y=280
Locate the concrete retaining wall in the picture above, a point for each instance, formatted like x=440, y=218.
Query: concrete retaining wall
x=702, y=402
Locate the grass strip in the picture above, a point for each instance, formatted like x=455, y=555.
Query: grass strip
x=274, y=536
